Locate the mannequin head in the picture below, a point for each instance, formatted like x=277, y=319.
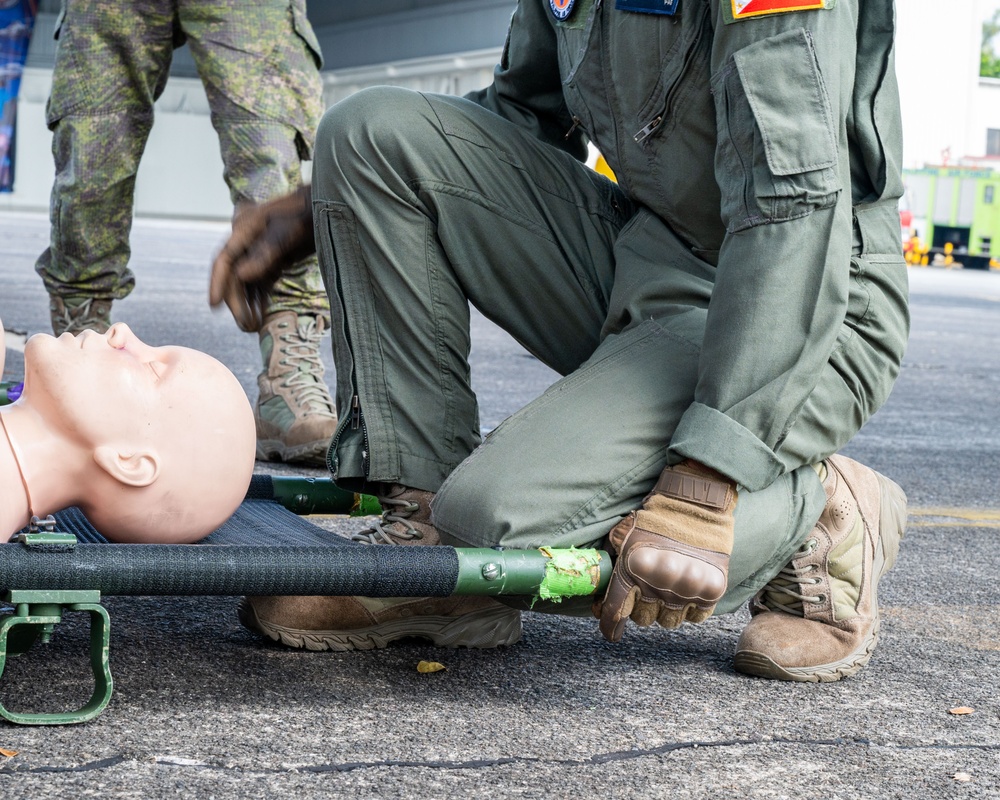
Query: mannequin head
x=155, y=444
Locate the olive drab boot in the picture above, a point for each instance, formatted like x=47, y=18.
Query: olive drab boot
x=295, y=414
x=818, y=619
x=77, y=314
x=367, y=623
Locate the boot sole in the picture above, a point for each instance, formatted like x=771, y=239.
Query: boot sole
x=480, y=630
x=310, y=453
x=892, y=528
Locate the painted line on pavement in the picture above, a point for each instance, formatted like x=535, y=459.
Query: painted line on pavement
x=954, y=517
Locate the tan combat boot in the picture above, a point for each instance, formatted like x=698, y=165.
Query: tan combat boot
x=818, y=620
x=367, y=623
x=77, y=314
x=295, y=414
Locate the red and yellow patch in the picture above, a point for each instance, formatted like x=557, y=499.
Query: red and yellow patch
x=744, y=9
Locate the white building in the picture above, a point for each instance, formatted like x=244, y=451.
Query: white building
x=448, y=46
x=948, y=110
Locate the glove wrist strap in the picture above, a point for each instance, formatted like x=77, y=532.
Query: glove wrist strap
x=692, y=489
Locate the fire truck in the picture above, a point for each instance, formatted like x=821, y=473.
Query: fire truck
x=954, y=215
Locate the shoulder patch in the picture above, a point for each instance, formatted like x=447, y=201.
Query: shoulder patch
x=561, y=9
x=736, y=10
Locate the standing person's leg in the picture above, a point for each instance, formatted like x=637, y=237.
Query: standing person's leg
x=260, y=67
x=111, y=65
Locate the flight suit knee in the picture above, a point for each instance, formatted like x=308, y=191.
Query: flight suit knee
x=380, y=127
x=469, y=511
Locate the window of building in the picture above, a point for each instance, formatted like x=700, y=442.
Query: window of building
x=985, y=243
x=988, y=195
x=993, y=141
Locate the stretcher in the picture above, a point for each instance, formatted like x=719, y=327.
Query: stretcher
x=268, y=547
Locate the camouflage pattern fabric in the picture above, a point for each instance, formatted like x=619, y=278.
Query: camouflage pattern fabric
x=259, y=62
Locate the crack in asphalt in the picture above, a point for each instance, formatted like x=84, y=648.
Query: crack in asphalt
x=595, y=760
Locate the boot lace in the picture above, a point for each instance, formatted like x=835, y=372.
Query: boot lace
x=85, y=316
x=398, y=511
x=301, y=353
x=782, y=592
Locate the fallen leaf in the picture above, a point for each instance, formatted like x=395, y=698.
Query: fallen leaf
x=964, y=777
x=7, y=753
x=430, y=666
x=961, y=711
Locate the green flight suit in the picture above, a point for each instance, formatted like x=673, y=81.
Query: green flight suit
x=738, y=298
x=259, y=63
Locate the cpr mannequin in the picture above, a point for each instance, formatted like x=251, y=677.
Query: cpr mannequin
x=153, y=444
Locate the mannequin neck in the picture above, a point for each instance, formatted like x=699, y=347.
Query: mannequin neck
x=55, y=470
x=14, y=504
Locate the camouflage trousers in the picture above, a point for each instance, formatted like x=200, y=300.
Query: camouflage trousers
x=259, y=63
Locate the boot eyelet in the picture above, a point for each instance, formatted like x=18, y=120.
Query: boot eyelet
x=820, y=598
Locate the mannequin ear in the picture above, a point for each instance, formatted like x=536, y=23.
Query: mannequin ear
x=135, y=469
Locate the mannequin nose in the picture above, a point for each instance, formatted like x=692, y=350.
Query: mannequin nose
x=119, y=334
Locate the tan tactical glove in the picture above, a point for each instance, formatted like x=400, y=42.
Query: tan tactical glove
x=673, y=553
x=266, y=239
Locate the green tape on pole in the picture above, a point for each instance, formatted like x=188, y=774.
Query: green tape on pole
x=365, y=506
x=570, y=573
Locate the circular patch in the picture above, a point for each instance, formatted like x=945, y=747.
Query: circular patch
x=562, y=8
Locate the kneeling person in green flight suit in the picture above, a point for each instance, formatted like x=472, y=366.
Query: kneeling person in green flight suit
x=725, y=319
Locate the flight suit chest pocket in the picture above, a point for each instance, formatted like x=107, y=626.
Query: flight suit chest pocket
x=652, y=58
x=575, y=51
x=573, y=36
x=777, y=155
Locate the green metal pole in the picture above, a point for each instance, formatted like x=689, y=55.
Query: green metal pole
x=547, y=573
x=321, y=496
x=55, y=561
x=9, y=392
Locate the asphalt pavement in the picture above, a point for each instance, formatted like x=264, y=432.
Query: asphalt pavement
x=202, y=708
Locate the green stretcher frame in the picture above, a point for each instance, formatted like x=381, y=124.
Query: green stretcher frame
x=5, y=387
x=49, y=573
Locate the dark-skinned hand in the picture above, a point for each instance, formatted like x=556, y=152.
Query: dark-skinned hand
x=267, y=238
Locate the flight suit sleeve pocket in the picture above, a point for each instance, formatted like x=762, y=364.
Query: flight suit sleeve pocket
x=777, y=147
x=789, y=102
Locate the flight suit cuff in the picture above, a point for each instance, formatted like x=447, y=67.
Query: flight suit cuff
x=713, y=439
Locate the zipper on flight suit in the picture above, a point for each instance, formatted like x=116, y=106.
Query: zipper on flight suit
x=651, y=127
x=356, y=421
x=576, y=124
